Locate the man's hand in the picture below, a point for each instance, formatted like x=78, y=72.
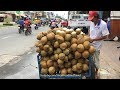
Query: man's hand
x=91, y=40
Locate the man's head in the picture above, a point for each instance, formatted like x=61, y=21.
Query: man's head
x=93, y=16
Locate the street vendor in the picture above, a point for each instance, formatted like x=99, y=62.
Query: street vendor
x=98, y=32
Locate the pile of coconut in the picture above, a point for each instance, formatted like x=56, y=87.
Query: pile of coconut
x=64, y=50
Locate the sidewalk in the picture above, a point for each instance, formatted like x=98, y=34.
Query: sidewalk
x=109, y=60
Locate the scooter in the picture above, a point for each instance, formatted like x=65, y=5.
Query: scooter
x=36, y=27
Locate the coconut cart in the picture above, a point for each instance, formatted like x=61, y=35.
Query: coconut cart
x=90, y=74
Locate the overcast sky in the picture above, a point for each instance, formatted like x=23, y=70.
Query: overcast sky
x=61, y=13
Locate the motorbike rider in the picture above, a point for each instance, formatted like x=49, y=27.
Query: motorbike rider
x=21, y=23
x=54, y=24
x=27, y=23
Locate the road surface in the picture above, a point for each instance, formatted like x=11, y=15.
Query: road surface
x=17, y=53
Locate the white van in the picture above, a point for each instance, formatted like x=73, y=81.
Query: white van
x=78, y=20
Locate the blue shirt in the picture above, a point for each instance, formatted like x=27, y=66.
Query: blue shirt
x=108, y=25
x=21, y=22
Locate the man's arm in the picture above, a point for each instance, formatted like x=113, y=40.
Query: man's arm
x=98, y=39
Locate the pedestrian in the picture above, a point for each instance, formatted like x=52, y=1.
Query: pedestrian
x=98, y=32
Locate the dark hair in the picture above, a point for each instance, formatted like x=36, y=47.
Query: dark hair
x=97, y=16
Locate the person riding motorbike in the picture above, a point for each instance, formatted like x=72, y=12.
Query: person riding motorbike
x=21, y=24
x=27, y=24
x=37, y=21
x=54, y=24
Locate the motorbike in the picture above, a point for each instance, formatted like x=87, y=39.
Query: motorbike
x=52, y=27
x=36, y=26
x=28, y=30
x=21, y=29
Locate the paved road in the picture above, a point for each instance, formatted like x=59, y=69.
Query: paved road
x=15, y=49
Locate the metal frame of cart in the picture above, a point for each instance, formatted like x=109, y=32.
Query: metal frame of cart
x=90, y=74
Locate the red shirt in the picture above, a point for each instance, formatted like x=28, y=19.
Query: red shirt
x=27, y=22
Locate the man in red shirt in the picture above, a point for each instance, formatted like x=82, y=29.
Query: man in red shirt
x=27, y=22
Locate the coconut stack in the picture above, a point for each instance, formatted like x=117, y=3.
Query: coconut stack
x=64, y=51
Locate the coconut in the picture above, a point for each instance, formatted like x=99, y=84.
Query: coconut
x=81, y=60
x=86, y=44
x=85, y=54
x=79, y=66
x=78, y=31
x=55, y=64
x=73, y=40
x=66, y=51
x=79, y=71
x=56, y=44
x=74, y=61
x=62, y=33
x=67, y=65
x=39, y=36
x=51, y=70
x=43, y=64
x=79, y=36
x=43, y=53
x=66, y=59
x=77, y=55
x=58, y=51
x=38, y=50
x=70, y=56
x=50, y=50
x=80, y=48
x=74, y=47
x=52, y=58
x=50, y=36
x=61, y=66
x=44, y=40
x=74, y=34
x=64, y=72
x=80, y=41
x=56, y=57
x=74, y=68
x=46, y=47
x=44, y=33
x=69, y=70
x=49, y=63
x=86, y=38
x=91, y=50
x=46, y=58
x=68, y=37
x=63, y=46
x=37, y=44
x=60, y=62
x=44, y=71
x=60, y=39
x=61, y=56
x=85, y=67
x=40, y=46
x=68, y=44
x=49, y=43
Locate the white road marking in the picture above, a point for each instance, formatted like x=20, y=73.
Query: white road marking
x=6, y=37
